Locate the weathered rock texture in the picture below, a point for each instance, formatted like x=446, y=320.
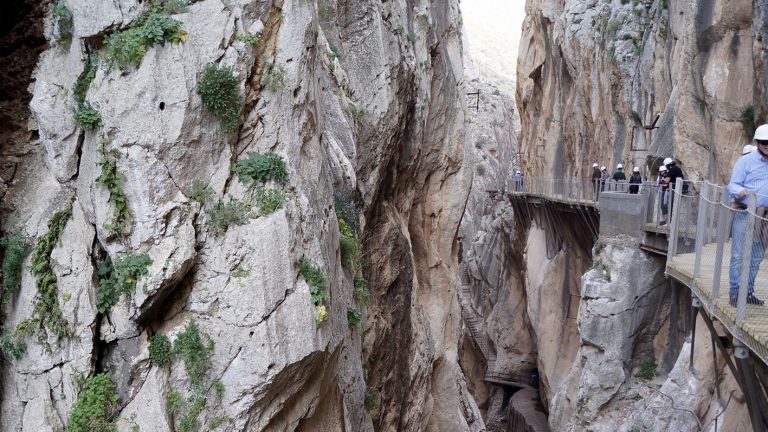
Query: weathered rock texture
x=373, y=101
x=591, y=74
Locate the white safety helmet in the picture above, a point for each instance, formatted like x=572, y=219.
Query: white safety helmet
x=517, y=172
x=761, y=133
x=747, y=149
x=636, y=169
x=668, y=161
x=662, y=169
x=619, y=166
x=594, y=165
x=602, y=168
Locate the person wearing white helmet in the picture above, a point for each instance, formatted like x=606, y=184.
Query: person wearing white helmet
x=750, y=175
x=662, y=182
x=595, y=180
x=618, y=175
x=518, y=181
x=604, y=176
x=635, y=180
x=673, y=173
x=747, y=149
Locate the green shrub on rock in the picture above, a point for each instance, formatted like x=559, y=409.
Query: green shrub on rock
x=64, y=21
x=222, y=215
x=219, y=91
x=96, y=407
x=120, y=278
x=126, y=48
x=160, y=351
x=112, y=179
x=16, y=249
x=87, y=117
x=46, y=312
x=261, y=168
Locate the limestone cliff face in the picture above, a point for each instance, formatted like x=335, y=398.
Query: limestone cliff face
x=354, y=96
x=592, y=74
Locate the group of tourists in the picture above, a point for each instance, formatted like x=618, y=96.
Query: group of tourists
x=600, y=177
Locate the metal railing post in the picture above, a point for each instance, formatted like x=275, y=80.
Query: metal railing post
x=672, y=240
x=741, y=307
x=701, y=222
x=722, y=236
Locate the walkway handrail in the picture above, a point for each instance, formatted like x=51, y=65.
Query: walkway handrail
x=717, y=267
x=583, y=191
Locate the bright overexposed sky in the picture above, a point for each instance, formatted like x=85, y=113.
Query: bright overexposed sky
x=493, y=28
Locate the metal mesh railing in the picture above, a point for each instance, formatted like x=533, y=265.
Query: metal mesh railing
x=712, y=243
x=575, y=190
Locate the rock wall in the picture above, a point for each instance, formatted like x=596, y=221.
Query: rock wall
x=357, y=96
x=592, y=75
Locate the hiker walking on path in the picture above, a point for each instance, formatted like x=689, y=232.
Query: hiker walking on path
x=750, y=175
x=673, y=173
x=619, y=174
x=595, y=180
x=604, y=176
x=635, y=181
x=662, y=182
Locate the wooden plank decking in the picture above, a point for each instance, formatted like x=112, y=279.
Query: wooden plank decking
x=753, y=331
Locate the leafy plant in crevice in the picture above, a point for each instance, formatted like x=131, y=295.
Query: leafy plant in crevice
x=87, y=117
x=126, y=48
x=647, y=370
x=64, y=21
x=96, y=408
x=248, y=38
x=355, y=112
x=349, y=246
x=361, y=293
x=222, y=215
x=269, y=200
x=334, y=53
x=411, y=38
x=200, y=191
x=220, y=93
x=16, y=248
x=160, y=350
x=112, y=179
x=354, y=316
x=274, y=76
x=371, y=398
x=195, y=351
x=604, y=270
x=261, y=168
x=12, y=344
x=318, y=287
x=747, y=119
x=84, y=81
x=120, y=278
x=173, y=7
x=325, y=11
x=46, y=312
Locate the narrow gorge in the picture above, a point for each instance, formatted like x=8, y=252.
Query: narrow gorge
x=289, y=215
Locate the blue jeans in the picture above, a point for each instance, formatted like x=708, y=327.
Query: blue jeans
x=738, y=233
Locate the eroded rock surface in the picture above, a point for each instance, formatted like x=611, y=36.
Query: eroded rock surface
x=369, y=98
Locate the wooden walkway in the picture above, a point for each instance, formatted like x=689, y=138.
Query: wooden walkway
x=753, y=331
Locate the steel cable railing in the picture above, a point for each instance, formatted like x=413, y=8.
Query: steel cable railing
x=716, y=260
